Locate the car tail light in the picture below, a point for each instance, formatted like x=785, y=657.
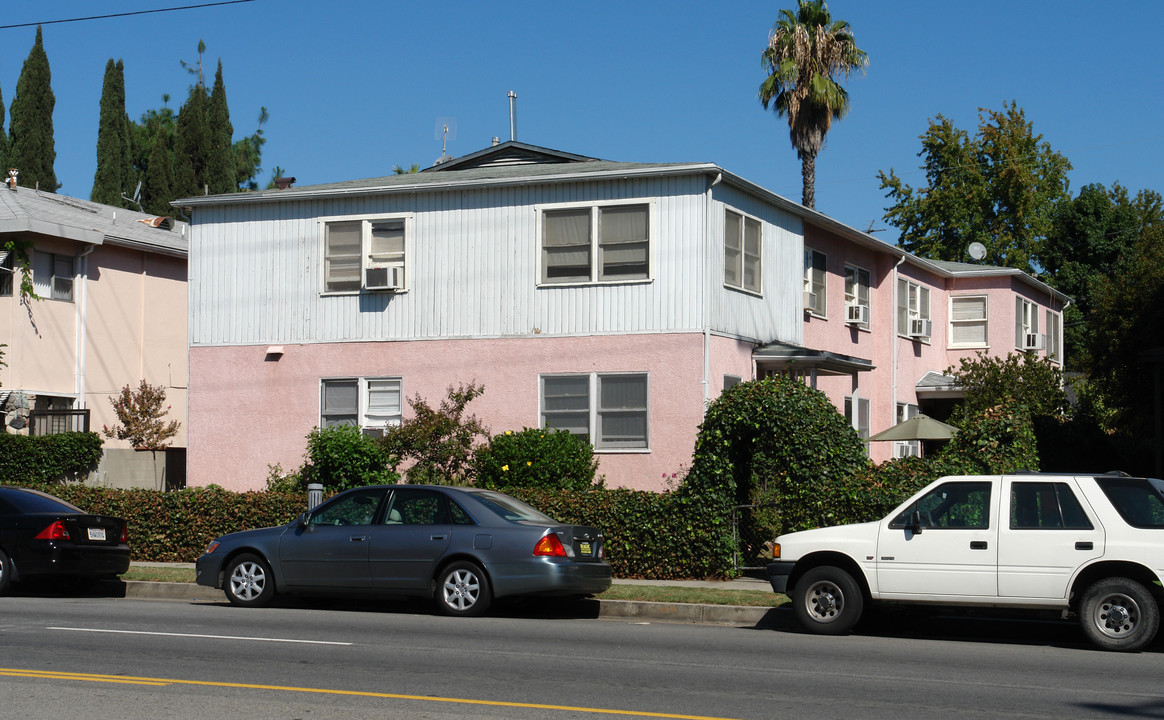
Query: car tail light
x=550, y=546
x=124, y=533
x=56, y=531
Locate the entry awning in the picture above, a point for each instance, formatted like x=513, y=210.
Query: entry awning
x=781, y=357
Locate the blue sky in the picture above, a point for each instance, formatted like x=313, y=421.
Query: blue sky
x=355, y=87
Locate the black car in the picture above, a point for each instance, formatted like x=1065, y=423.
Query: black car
x=41, y=535
x=462, y=547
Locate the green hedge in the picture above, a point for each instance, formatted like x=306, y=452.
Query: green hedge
x=45, y=458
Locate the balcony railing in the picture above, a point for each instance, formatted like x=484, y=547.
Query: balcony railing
x=54, y=422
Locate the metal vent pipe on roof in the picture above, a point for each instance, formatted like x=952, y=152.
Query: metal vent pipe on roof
x=512, y=116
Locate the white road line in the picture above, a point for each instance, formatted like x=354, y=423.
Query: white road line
x=195, y=635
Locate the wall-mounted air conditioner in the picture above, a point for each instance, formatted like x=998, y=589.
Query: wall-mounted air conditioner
x=383, y=278
x=1034, y=341
x=810, y=300
x=920, y=328
x=373, y=432
x=857, y=314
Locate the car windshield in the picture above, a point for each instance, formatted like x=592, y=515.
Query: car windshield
x=1140, y=501
x=511, y=508
x=30, y=501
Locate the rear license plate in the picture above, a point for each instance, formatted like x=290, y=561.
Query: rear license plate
x=97, y=534
x=584, y=548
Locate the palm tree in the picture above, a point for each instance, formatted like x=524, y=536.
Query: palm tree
x=805, y=51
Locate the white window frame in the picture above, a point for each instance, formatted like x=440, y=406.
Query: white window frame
x=984, y=321
x=906, y=448
x=814, y=285
x=61, y=271
x=595, y=414
x=863, y=415
x=855, y=289
x=1055, y=336
x=1026, y=321
x=737, y=260
x=913, y=303
x=595, y=248
x=7, y=273
x=366, y=417
x=368, y=258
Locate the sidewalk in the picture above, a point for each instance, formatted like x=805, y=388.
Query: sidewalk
x=626, y=609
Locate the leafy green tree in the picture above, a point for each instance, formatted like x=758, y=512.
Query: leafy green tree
x=157, y=185
x=30, y=129
x=248, y=154
x=114, y=176
x=439, y=442
x=999, y=188
x=192, y=145
x=1088, y=236
x=220, y=170
x=413, y=168
x=141, y=417
x=3, y=142
x=1035, y=383
x=806, y=53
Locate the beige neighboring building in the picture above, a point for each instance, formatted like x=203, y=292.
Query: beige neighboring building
x=112, y=313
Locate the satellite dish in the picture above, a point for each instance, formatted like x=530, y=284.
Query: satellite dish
x=977, y=250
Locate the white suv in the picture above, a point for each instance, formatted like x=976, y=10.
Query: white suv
x=1088, y=544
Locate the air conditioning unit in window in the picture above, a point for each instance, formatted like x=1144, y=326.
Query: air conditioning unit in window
x=920, y=328
x=382, y=278
x=1034, y=341
x=810, y=300
x=857, y=314
x=373, y=432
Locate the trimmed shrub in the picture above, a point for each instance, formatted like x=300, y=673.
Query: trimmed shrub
x=340, y=457
x=48, y=458
x=536, y=458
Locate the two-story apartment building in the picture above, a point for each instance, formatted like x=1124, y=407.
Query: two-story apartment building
x=112, y=312
x=610, y=299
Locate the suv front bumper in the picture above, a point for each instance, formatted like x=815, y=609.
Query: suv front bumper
x=778, y=573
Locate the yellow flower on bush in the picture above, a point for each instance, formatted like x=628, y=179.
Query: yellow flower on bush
x=528, y=463
x=508, y=432
x=505, y=468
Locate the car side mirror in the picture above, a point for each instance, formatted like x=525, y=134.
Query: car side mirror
x=301, y=521
x=915, y=523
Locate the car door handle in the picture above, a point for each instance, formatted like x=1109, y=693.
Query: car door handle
x=358, y=538
x=977, y=544
x=1084, y=546
x=436, y=537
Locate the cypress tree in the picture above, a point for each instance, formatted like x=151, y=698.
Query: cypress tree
x=3, y=142
x=30, y=129
x=157, y=187
x=193, y=145
x=114, y=174
x=221, y=163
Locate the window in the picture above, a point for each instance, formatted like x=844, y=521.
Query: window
x=961, y=505
x=609, y=409
x=913, y=310
x=730, y=381
x=742, y=243
x=369, y=403
x=814, y=282
x=968, y=321
x=1026, y=326
x=1046, y=505
x=417, y=507
x=357, y=508
x=862, y=423
x=52, y=276
x=1054, y=336
x=7, y=272
x=364, y=255
x=1139, y=501
x=619, y=236
x=906, y=448
x=857, y=296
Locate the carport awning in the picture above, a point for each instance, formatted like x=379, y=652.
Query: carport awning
x=782, y=357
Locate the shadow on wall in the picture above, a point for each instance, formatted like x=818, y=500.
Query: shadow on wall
x=147, y=469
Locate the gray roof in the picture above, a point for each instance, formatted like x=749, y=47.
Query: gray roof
x=24, y=210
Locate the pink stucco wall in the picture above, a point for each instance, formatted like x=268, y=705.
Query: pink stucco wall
x=248, y=412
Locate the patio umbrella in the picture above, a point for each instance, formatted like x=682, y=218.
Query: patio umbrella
x=918, y=427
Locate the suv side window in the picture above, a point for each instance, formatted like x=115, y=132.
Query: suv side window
x=1046, y=505
x=963, y=505
x=1139, y=501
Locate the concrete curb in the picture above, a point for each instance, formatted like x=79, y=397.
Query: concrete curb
x=735, y=615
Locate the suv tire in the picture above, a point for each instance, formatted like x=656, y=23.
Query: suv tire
x=1119, y=614
x=827, y=601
